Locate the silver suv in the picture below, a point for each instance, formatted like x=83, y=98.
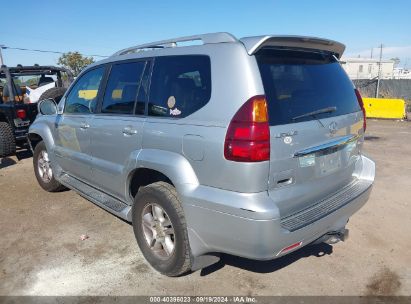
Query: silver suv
x=250, y=147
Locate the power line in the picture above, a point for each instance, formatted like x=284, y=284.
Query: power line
x=46, y=51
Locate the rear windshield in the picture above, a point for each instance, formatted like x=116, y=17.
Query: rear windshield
x=298, y=82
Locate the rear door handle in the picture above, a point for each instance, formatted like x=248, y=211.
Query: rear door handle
x=129, y=131
x=84, y=126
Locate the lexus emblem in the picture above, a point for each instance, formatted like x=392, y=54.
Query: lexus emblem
x=333, y=127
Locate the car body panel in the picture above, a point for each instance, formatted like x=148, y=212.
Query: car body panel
x=109, y=167
x=72, y=145
x=297, y=181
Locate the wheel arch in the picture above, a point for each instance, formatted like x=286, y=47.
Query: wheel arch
x=156, y=165
x=34, y=139
x=141, y=177
x=40, y=132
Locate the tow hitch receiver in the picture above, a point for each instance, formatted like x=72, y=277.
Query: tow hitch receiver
x=333, y=237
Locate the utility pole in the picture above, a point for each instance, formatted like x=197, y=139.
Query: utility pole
x=371, y=52
x=1, y=55
x=377, y=93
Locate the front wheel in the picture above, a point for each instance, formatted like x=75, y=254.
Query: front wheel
x=43, y=169
x=160, y=229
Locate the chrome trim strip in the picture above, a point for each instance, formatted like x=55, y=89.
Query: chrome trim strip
x=330, y=145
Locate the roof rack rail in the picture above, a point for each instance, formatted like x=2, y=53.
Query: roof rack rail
x=205, y=38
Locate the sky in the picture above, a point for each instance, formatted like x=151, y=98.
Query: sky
x=104, y=27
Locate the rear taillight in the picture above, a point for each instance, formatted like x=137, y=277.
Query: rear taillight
x=360, y=102
x=21, y=114
x=248, y=135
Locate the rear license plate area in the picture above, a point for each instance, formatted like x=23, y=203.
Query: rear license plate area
x=329, y=163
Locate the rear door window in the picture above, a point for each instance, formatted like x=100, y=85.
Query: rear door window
x=180, y=85
x=122, y=87
x=298, y=82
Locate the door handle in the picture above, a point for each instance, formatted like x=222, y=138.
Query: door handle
x=84, y=126
x=129, y=131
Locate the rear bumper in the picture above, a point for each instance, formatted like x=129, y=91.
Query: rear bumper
x=249, y=225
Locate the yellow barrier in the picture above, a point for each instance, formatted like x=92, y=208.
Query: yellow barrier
x=384, y=108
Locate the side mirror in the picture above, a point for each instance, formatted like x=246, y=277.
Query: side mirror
x=47, y=107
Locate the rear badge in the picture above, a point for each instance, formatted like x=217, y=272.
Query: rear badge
x=286, y=136
x=307, y=160
x=288, y=140
x=333, y=128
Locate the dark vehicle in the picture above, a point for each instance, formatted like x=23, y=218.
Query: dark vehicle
x=17, y=112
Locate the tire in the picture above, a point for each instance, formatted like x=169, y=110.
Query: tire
x=163, y=195
x=7, y=140
x=54, y=93
x=50, y=184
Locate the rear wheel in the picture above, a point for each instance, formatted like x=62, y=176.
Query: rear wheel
x=7, y=141
x=160, y=229
x=53, y=93
x=43, y=169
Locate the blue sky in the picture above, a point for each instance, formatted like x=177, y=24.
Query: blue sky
x=103, y=27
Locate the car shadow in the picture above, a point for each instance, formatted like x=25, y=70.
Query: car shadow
x=6, y=162
x=21, y=154
x=371, y=137
x=318, y=250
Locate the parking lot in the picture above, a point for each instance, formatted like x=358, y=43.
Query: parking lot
x=41, y=252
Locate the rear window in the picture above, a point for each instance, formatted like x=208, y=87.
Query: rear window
x=180, y=85
x=298, y=82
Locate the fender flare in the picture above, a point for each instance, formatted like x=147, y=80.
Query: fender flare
x=173, y=165
x=42, y=130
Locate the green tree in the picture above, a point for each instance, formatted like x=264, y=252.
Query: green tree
x=74, y=61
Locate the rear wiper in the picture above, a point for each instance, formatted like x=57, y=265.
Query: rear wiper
x=316, y=112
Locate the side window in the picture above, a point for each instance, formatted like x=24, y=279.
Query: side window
x=122, y=87
x=83, y=96
x=180, y=85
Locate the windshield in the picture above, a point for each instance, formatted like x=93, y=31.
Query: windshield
x=301, y=82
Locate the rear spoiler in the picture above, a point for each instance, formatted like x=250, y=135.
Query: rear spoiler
x=253, y=44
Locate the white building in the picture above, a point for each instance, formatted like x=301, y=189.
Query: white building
x=401, y=73
x=367, y=68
